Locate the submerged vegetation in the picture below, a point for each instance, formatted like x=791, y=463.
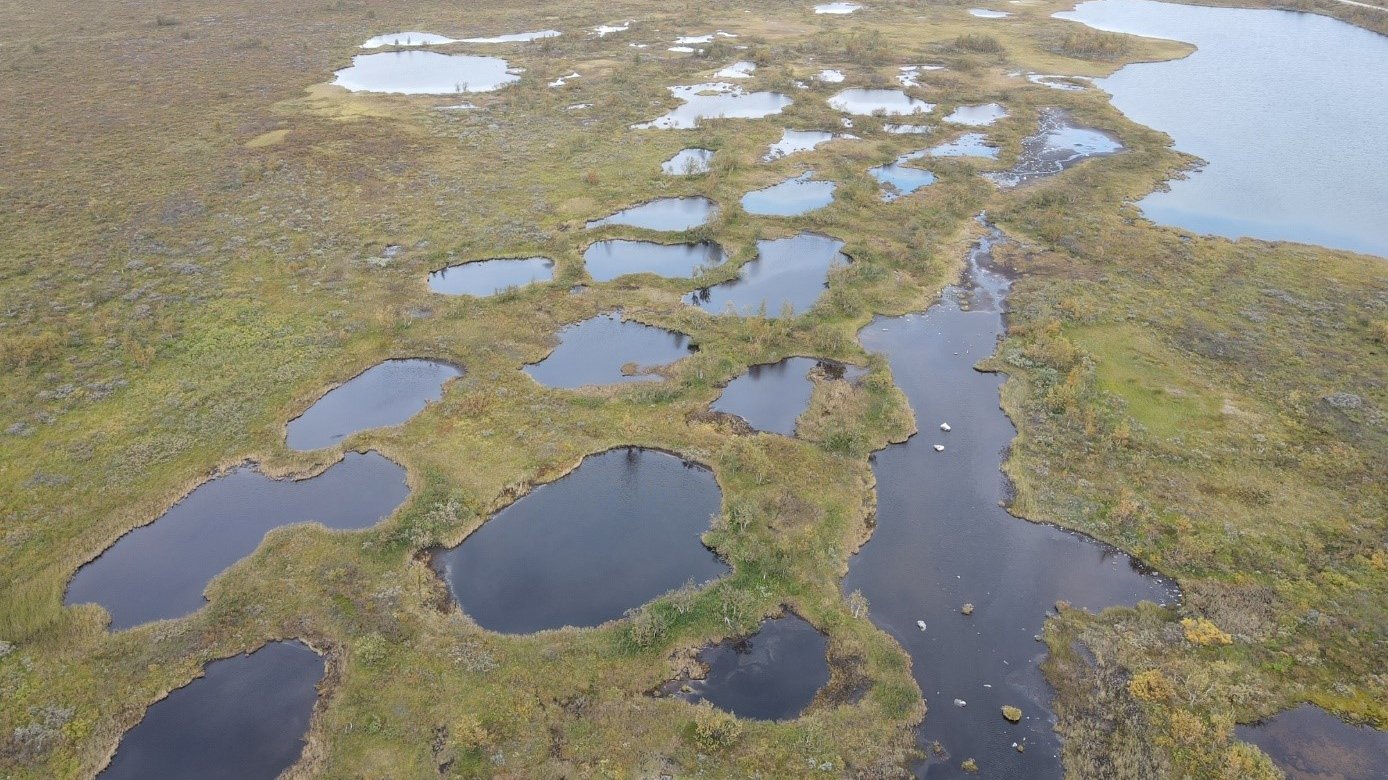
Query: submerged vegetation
x=204, y=236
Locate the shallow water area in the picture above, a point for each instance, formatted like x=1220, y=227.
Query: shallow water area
x=830, y=76
x=793, y=141
x=665, y=214
x=902, y=179
x=790, y=198
x=244, y=718
x=160, y=570
x=886, y=102
x=773, y=674
x=977, y=116
x=613, y=258
x=1279, y=104
x=988, y=13
x=621, y=529
x=603, y=30
x=416, y=72
x=966, y=145
x=770, y=397
x=407, y=39
x=788, y=273
x=524, y=37
x=896, y=129
x=738, y=70
x=836, y=8
x=689, y=162
x=1058, y=145
x=604, y=350
x=942, y=540
x=1308, y=743
x=716, y=101
x=388, y=393
x=482, y=278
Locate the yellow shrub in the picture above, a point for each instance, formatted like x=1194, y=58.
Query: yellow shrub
x=1151, y=685
x=1200, y=631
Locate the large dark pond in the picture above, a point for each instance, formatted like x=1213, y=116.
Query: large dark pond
x=386, y=394
x=244, y=719
x=1288, y=109
x=160, y=570
x=942, y=540
x=788, y=273
x=1309, y=743
x=773, y=674
x=772, y=396
x=605, y=350
x=618, y=531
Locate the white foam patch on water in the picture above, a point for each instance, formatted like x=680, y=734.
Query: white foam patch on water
x=831, y=76
x=524, y=37
x=685, y=40
x=682, y=49
x=407, y=39
x=559, y=82
x=604, y=30
x=738, y=70
x=836, y=8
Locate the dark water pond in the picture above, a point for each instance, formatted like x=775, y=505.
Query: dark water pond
x=668, y=214
x=1308, y=743
x=1283, y=106
x=244, y=718
x=942, y=540
x=620, y=530
x=417, y=72
x=1058, y=144
x=790, y=198
x=773, y=674
x=160, y=570
x=489, y=277
x=604, y=350
x=388, y=393
x=787, y=272
x=772, y=396
x=607, y=260
x=716, y=100
x=902, y=179
x=688, y=162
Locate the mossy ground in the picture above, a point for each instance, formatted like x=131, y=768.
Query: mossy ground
x=192, y=234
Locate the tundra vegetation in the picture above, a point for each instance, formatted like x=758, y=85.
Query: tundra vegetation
x=194, y=234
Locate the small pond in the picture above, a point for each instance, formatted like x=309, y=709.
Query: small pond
x=986, y=13
x=943, y=539
x=604, y=350
x=977, y=116
x=607, y=260
x=1058, y=145
x=618, y=531
x=482, y=278
x=688, y=162
x=665, y=214
x=787, y=272
x=836, y=8
x=160, y=570
x=1278, y=103
x=416, y=72
x=772, y=396
x=790, y=198
x=773, y=674
x=741, y=69
x=388, y=393
x=1308, y=743
x=716, y=101
x=793, y=141
x=245, y=718
x=902, y=179
x=966, y=145
x=886, y=102
x=406, y=39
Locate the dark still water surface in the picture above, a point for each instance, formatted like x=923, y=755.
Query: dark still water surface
x=606, y=350
x=1309, y=743
x=942, y=540
x=388, y=393
x=1290, y=110
x=160, y=570
x=773, y=674
x=618, y=531
x=245, y=719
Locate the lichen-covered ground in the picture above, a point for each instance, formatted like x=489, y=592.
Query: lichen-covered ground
x=192, y=236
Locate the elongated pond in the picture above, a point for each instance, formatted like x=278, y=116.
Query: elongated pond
x=790, y=198
x=417, y=72
x=716, y=100
x=942, y=540
x=388, y=393
x=1288, y=109
x=788, y=274
x=245, y=718
x=618, y=531
x=664, y=214
x=605, y=350
x=773, y=674
x=608, y=260
x=482, y=278
x=160, y=570
x=1308, y=743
